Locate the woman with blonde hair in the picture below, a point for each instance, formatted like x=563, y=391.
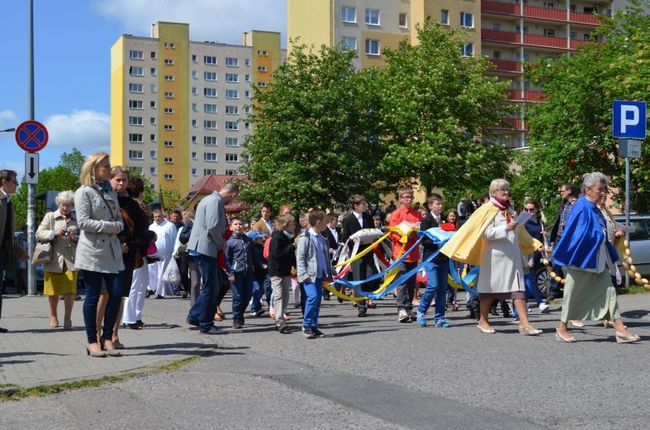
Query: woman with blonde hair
x=99, y=254
x=59, y=228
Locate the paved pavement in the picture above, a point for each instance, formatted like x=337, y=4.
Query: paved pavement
x=367, y=373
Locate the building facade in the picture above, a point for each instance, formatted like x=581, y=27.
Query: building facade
x=179, y=108
x=509, y=32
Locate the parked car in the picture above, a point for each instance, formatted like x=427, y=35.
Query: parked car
x=639, y=242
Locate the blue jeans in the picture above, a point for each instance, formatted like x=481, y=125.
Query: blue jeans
x=531, y=288
x=436, y=287
x=93, y=287
x=242, y=289
x=268, y=290
x=258, y=292
x=314, y=293
x=202, y=312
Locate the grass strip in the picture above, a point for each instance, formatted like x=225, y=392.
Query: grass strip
x=13, y=392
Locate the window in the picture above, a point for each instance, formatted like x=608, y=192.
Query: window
x=208, y=172
x=232, y=62
x=193, y=139
x=193, y=155
x=349, y=14
x=496, y=55
x=135, y=155
x=168, y=127
x=210, y=156
x=152, y=137
x=169, y=177
x=195, y=91
x=247, y=125
x=466, y=20
x=152, y=103
x=152, y=171
x=247, y=62
x=194, y=108
x=261, y=68
x=194, y=58
x=262, y=53
x=211, y=60
x=232, y=141
x=231, y=172
x=168, y=61
x=210, y=140
x=152, y=71
x=232, y=110
x=169, y=78
x=247, y=94
x=210, y=108
x=195, y=75
x=152, y=120
x=232, y=125
x=232, y=77
x=496, y=26
x=194, y=172
x=549, y=5
x=193, y=123
x=402, y=21
x=232, y=94
x=468, y=49
x=247, y=78
x=372, y=47
x=261, y=84
x=153, y=55
x=210, y=92
x=135, y=120
x=444, y=17
x=210, y=76
x=136, y=71
x=169, y=94
x=210, y=124
x=350, y=43
x=169, y=111
x=152, y=154
x=169, y=144
x=137, y=169
x=170, y=45
x=136, y=88
x=153, y=88
x=372, y=16
x=586, y=36
x=135, y=55
x=232, y=158
x=572, y=35
x=247, y=109
x=135, y=104
x=550, y=32
x=169, y=160
x=135, y=137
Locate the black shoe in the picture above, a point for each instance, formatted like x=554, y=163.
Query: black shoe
x=158, y=296
x=362, y=312
x=506, y=310
x=318, y=333
x=3, y=330
x=237, y=325
x=339, y=299
x=149, y=293
x=140, y=323
x=211, y=330
x=309, y=333
x=134, y=326
x=282, y=327
x=185, y=295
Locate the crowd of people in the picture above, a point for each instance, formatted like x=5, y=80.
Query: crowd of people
x=101, y=235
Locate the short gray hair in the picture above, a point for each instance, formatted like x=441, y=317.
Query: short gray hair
x=498, y=184
x=594, y=179
x=230, y=187
x=64, y=197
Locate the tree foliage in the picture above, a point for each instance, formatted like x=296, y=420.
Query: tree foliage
x=438, y=108
x=571, y=134
x=73, y=161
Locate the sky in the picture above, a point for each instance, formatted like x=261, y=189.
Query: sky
x=72, y=42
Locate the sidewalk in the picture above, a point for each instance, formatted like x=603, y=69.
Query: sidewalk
x=32, y=353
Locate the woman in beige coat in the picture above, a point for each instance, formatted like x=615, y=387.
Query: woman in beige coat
x=60, y=229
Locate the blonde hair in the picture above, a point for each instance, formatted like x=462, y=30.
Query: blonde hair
x=498, y=184
x=87, y=176
x=284, y=220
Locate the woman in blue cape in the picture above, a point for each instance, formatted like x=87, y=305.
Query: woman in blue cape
x=589, y=261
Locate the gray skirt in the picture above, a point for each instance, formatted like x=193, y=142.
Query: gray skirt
x=589, y=296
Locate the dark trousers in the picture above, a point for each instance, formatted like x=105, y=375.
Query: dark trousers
x=363, y=269
x=183, y=267
x=202, y=312
x=93, y=286
x=406, y=290
x=242, y=289
x=1, y=285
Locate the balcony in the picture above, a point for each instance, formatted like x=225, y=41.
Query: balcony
x=545, y=41
x=529, y=96
x=514, y=124
x=500, y=36
x=507, y=66
x=558, y=15
x=575, y=44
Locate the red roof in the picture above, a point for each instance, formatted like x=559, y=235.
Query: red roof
x=208, y=184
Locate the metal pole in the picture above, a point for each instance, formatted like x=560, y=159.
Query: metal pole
x=627, y=210
x=31, y=207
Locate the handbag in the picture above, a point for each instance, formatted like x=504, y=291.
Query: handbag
x=42, y=253
x=171, y=274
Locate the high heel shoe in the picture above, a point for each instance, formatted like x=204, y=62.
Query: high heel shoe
x=112, y=351
x=576, y=324
x=610, y=324
x=529, y=331
x=564, y=338
x=489, y=330
x=54, y=322
x=621, y=338
x=95, y=354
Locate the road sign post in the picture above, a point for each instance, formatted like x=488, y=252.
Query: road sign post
x=628, y=123
x=31, y=136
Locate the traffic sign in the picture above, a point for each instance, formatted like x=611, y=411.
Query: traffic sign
x=31, y=168
x=629, y=148
x=628, y=119
x=31, y=136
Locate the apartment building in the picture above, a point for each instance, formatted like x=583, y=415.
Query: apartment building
x=179, y=107
x=509, y=32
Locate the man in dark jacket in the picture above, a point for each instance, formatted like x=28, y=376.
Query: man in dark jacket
x=333, y=234
x=8, y=183
x=282, y=257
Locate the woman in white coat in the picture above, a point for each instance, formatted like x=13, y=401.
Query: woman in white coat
x=99, y=255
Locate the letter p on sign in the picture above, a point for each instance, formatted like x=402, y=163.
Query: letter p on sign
x=628, y=119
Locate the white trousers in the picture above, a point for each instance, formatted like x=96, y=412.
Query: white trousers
x=156, y=284
x=135, y=302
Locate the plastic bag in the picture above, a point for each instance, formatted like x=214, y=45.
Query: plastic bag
x=171, y=274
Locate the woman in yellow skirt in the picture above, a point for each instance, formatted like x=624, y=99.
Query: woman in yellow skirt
x=60, y=229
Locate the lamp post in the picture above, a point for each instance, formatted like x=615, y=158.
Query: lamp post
x=7, y=130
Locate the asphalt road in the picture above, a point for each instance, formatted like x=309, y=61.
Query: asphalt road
x=375, y=373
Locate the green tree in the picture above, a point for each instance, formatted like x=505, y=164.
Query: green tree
x=438, y=108
x=571, y=133
x=72, y=161
x=316, y=129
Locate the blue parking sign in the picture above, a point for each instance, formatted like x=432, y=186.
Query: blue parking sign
x=628, y=119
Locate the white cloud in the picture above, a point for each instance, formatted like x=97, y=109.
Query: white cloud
x=8, y=119
x=87, y=130
x=214, y=20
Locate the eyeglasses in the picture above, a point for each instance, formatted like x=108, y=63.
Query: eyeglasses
x=529, y=209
